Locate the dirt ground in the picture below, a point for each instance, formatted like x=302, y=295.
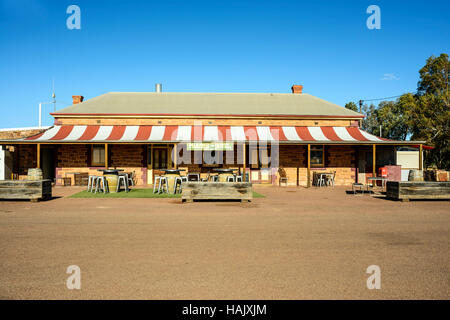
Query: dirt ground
x=295, y=243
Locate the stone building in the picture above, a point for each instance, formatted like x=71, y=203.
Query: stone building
x=262, y=135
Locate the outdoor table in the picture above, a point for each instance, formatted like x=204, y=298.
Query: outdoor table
x=112, y=176
x=171, y=174
x=224, y=174
x=375, y=179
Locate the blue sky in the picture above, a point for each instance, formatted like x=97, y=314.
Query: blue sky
x=212, y=46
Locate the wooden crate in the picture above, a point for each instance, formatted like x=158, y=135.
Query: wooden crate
x=405, y=190
x=217, y=191
x=26, y=189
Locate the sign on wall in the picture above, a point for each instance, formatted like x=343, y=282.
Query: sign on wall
x=202, y=146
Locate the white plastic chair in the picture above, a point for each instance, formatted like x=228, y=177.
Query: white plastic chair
x=92, y=181
x=156, y=182
x=162, y=184
x=178, y=181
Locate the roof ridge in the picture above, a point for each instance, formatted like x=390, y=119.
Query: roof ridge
x=179, y=92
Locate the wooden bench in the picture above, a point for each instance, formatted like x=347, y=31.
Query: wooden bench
x=217, y=191
x=405, y=190
x=26, y=189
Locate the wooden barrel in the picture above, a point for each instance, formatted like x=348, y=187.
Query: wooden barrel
x=415, y=175
x=171, y=180
x=34, y=174
x=224, y=176
x=112, y=182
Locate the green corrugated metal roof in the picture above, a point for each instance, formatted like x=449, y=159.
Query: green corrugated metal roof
x=209, y=104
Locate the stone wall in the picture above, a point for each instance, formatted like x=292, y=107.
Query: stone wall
x=293, y=160
x=341, y=159
x=72, y=155
x=27, y=158
x=126, y=155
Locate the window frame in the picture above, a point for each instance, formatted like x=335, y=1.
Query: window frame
x=94, y=164
x=318, y=148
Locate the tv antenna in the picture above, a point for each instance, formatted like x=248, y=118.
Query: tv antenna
x=49, y=102
x=53, y=95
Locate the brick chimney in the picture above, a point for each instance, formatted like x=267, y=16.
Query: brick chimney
x=77, y=99
x=297, y=89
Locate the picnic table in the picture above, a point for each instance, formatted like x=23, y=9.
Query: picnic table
x=171, y=174
x=112, y=176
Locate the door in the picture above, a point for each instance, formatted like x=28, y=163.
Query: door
x=48, y=163
x=157, y=159
x=364, y=164
x=160, y=158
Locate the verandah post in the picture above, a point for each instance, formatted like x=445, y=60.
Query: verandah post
x=309, y=167
x=420, y=157
x=374, y=160
x=38, y=154
x=175, y=155
x=106, y=156
x=245, y=161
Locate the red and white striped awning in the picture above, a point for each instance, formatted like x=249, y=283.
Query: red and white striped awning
x=136, y=134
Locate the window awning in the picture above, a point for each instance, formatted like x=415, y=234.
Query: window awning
x=139, y=134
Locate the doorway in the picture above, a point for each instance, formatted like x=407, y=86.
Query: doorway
x=160, y=158
x=48, y=163
x=157, y=159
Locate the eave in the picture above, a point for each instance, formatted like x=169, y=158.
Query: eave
x=203, y=116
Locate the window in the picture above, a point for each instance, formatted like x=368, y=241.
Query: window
x=317, y=156
x=98, y=155
x=259, y=157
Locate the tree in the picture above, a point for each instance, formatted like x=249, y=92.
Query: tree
x=434, y=76
x=424, y=116
x=431, y=123
x=370, y=121
x=351, y=106
x=430, y=118
x=395, y=117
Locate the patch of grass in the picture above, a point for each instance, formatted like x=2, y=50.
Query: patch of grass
x=258, y=195
x=134, y=193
